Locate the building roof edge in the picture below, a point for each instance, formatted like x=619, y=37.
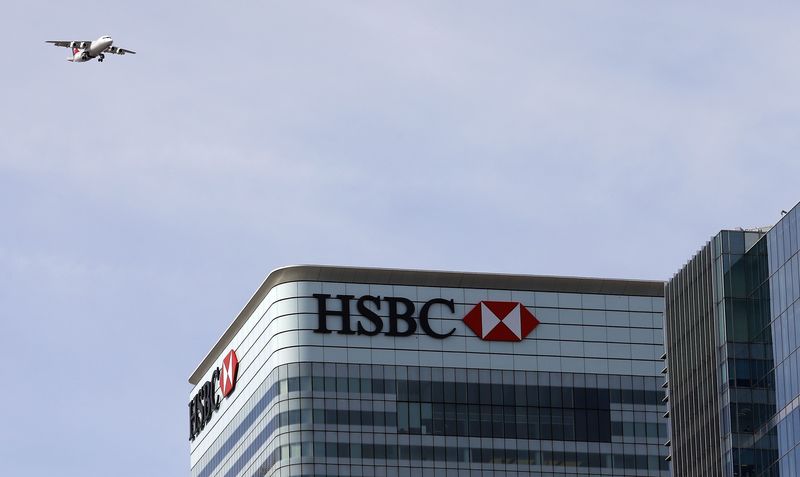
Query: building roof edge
x=431, y=278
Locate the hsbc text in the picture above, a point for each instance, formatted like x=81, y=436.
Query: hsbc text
x=400, y=313
x=202, y=405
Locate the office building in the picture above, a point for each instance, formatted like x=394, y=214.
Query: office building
x=337, y=371
x=732, y=334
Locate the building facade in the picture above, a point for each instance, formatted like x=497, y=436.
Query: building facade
x=734, y=372
x=333, y=371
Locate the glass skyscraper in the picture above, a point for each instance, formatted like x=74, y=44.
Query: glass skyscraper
x=334, y=371
x=732, y=335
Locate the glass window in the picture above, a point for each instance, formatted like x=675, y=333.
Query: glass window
x=402, y=417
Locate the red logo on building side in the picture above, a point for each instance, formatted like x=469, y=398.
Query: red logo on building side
x=227, y=377
x=500, y=321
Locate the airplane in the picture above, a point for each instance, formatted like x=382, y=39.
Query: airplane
x=83, y=51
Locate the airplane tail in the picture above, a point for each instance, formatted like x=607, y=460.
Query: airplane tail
x=75, y=50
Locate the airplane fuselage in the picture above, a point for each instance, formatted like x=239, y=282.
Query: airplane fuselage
x=82, y=52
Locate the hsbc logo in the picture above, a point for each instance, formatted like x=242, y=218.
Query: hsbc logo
x=500, y=321
x=489, y=320
x=206, y=401
x=400, y=310
x=228, y=376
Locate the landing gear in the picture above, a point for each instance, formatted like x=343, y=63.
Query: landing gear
x=101, y=58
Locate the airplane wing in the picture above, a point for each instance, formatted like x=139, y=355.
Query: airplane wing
x=70, y=44
x=119, y=51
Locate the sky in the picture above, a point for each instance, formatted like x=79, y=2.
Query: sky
x=144, y=199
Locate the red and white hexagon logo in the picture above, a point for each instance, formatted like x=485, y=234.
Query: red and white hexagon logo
x=500, y=321
x=227, y=378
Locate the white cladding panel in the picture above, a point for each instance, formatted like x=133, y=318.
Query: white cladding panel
x=578, y=333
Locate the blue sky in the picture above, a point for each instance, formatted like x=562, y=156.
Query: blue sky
x=144, y=199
